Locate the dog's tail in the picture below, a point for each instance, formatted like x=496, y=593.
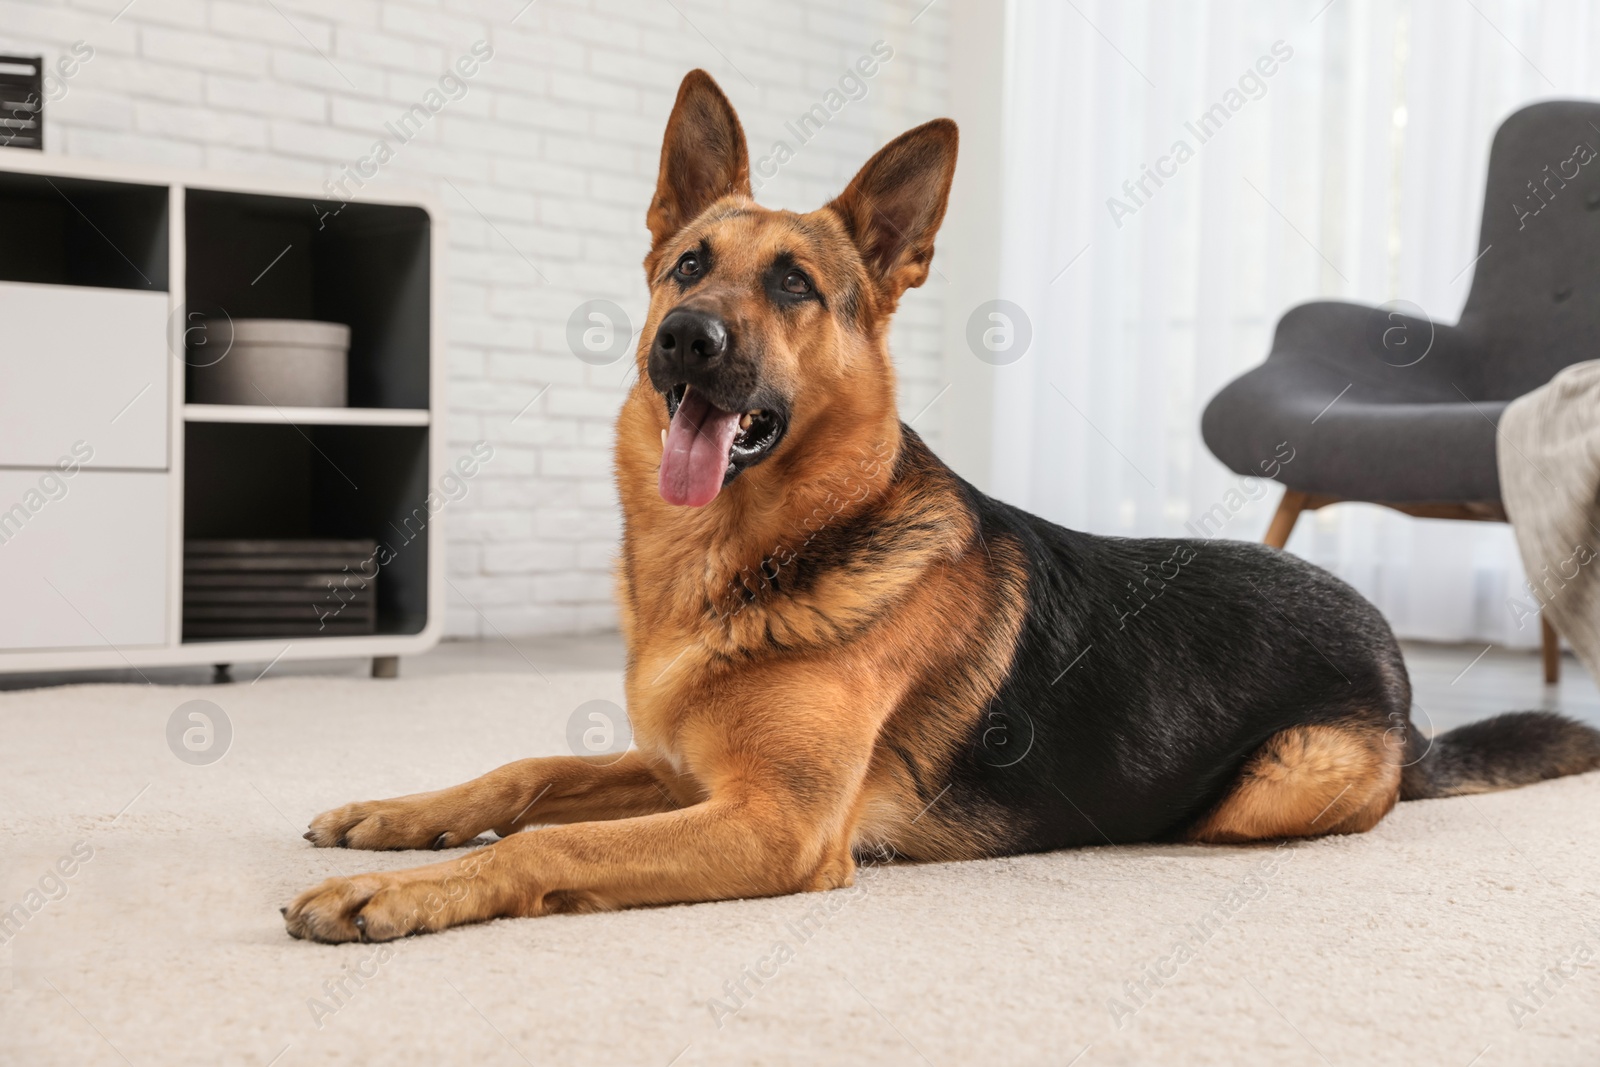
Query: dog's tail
x=1504, y=752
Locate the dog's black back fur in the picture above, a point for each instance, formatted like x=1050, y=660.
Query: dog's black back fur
x=1148, y=671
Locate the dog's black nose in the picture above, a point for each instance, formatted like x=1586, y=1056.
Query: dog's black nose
x=691, y=339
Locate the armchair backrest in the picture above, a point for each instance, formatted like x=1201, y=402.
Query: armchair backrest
x=1535, y=300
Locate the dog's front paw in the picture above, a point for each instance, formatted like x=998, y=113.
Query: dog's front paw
x=331, y=912
x=382, y=907
x=426, y=820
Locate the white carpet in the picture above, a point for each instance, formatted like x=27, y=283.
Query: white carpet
x=1404, y=945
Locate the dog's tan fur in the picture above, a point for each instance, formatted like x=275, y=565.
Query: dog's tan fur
x=1307, y=781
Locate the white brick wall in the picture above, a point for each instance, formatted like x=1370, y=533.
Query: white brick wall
x=556, y=144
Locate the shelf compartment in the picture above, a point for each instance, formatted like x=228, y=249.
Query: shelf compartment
x=264, y=482
x=77, y=231
x=251, y=413
x=364, y=265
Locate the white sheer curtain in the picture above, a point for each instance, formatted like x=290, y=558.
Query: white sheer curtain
x=1354, y=170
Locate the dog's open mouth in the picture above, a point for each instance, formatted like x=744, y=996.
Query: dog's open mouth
x=705, y=447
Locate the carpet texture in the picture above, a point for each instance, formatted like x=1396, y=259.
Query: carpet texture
x=1459, y=932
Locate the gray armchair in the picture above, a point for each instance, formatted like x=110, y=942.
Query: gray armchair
x=1389, y=408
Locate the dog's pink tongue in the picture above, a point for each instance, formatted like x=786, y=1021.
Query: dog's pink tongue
x=695, y=458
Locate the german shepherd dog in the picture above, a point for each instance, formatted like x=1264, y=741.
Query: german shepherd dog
x=836, y=645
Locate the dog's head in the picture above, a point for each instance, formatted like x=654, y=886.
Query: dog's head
x=766, y=329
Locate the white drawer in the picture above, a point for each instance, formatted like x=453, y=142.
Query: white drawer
x=83, y=364
x=83, y=560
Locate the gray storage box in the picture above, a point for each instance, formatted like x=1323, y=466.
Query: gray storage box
x=281, y=362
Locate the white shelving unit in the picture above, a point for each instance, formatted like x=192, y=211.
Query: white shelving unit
x=105, y=470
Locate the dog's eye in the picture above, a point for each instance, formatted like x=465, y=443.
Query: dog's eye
x=797, y=283
x=688, y=265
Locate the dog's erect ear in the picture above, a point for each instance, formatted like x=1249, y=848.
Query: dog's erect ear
x=893, y=207
x=703, y=158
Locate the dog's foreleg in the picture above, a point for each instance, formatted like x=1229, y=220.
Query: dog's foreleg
x=773, y=812
x=738, y=845
x=545, y=791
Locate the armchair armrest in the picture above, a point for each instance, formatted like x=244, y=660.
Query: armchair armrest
x=1361, y=403
x=1385, y=354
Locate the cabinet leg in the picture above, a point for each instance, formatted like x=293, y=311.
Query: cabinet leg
x=386, y=666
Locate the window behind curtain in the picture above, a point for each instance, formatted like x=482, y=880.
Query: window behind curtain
x=1152, y=276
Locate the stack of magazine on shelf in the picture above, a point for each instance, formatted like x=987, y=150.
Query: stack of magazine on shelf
x=282, y=588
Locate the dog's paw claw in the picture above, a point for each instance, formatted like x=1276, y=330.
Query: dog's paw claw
x=439, y=842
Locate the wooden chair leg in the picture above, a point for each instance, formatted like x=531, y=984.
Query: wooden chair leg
x=1289, y=509
x=1552, y=651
